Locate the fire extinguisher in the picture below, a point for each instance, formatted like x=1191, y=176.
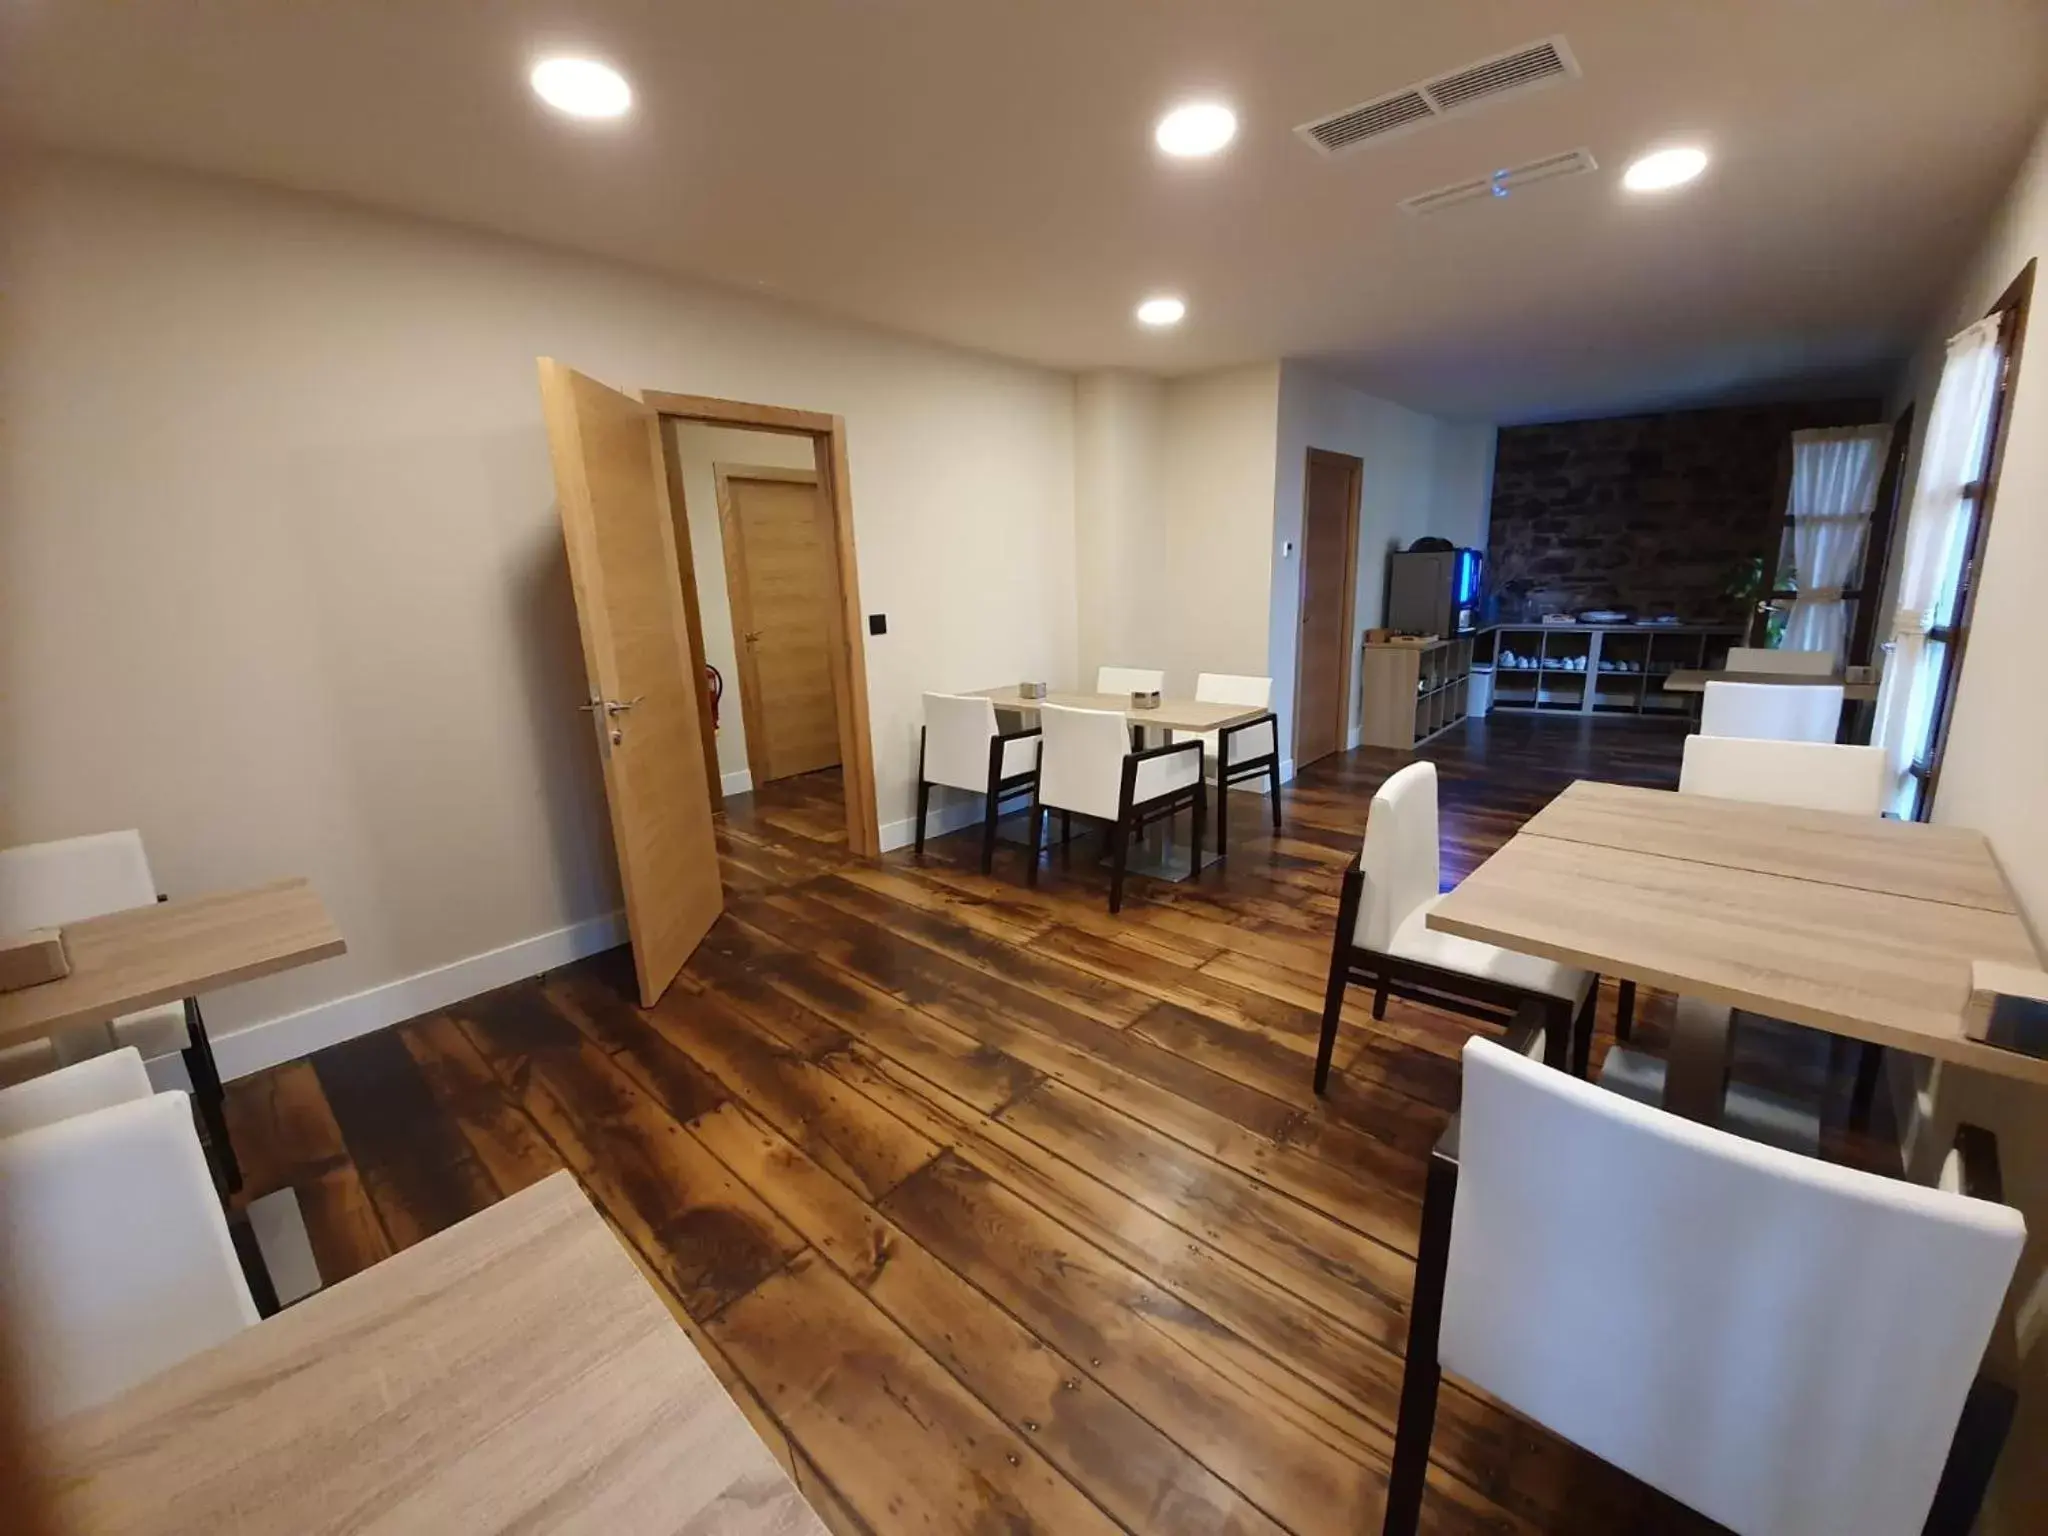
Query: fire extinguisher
x=717, y=686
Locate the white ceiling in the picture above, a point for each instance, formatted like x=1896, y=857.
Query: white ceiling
x=981, y=171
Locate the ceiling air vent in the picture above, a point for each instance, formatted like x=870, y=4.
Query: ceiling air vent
x=1461, y=90
x=1502, y=183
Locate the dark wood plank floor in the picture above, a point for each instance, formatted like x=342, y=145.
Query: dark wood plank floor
x=992, y=1211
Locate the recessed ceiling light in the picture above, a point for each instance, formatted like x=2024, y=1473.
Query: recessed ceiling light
x=1665, y=169
x=582, y=87
x=1163, y=310
x=1196, y=129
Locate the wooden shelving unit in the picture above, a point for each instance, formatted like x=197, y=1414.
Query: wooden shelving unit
x=1600, y=669
x=1413, y=692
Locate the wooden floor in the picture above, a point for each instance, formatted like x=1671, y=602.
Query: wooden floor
x=994, y=1212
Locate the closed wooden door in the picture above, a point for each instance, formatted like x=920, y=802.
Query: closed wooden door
x=610, y=485
x=1329, y=562
x=779, y=568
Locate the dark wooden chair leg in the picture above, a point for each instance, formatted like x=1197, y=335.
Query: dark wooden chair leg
x=924, y=800
x=1201, y=817
x=988, y=836
x=1966, y=1476
x=1349, y=898
x=1582, y=1031
x=1558, y=1013
x=1869, y=1068
x=1273, y=774
x=1420, y=1374
x=1222, y=813
x=210, y=1098
x=1625, y=1011
x=1066, y=831
x=1379, y=997
x=1037, y=830
x=1119, y=853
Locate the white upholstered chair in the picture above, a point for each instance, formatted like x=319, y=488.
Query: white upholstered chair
x=1788, y=1346
x=1772, y=711
x=1811, y=775
x=1383, y=939
x=1751, y=658
x=117, y=1077
x=962, y=747
x=1241, y=752
x=1087, y=767
x=46, y=885
x=115, y=1258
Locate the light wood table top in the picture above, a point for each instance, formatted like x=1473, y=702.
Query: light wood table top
x=1690, y=681
x=512, y=1372
x=1870, y=964
x=136, y=959
x=1869, y=853
x=1171, y=715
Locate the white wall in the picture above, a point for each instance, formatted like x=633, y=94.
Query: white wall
x=1994, y=777
x=1423, y=475
x=698, y=448
x=1173, y=508
x=281, y=582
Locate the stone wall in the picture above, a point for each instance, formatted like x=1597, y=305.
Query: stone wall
x=1651, y=513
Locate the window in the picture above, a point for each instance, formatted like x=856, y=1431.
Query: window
x=1945, y=535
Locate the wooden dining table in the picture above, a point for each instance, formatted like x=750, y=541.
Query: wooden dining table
x=127, y=961
x=1858, y=926
x=1688, y=680
x=1155, y=854
x=514, y=1372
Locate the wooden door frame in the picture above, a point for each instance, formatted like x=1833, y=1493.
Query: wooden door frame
x=847, y=650
x=1354, y=468
x=740, y=599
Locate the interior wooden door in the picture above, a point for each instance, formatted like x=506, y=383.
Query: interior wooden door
x=780, y=574
x=1329, y=563
x=609, y=483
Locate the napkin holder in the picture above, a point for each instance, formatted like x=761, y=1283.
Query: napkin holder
x=1031, y=690
x=29, y=959
x=1145, y=699
x=2008, y=1007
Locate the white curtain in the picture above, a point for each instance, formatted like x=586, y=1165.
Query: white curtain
x=1834, y=490
x=1937, y=533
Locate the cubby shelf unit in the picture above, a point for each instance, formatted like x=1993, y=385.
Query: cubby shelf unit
x=1600, y=669
x=1413, y=692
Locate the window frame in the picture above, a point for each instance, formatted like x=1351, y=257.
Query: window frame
x=1982, y=494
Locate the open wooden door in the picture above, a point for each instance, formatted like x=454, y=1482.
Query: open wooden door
x=609, y=481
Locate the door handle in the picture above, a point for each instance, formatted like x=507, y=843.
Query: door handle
x=613, y=707
x=752, y=636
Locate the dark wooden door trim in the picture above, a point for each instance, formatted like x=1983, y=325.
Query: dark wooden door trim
x=1354, y=468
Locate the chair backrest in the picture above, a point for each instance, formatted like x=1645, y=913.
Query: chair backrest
x=113, y=1077
x=1227, y=688
x=1772, y=711
x=1081, y=759
x=1814, y=775
x=1401, y=868
x=1754, y=658
x=115, y=1260
x=1128, y=680
x=47, y=884
x=1781, y=1343
x=957, y=731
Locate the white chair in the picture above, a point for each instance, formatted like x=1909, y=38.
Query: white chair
x=1750, y=658
x=118, y=1077
x=1811, y=775
x=1240, y=752
x=1383, y=938
x=962, y=747
x=1773, y=711
x=46, y=885
x=115, y=1259
x=1129, y=680
x=1087, y=767
x=1788, y=1346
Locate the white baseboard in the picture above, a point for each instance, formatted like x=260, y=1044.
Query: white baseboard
x=272, y=1041
x=951, y=817
x=740, y=783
